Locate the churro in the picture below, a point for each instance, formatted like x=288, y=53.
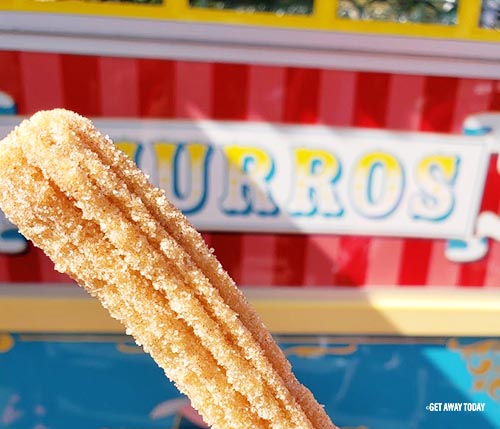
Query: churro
x=95, y=214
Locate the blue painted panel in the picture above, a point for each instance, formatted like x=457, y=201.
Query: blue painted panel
x=104, y=381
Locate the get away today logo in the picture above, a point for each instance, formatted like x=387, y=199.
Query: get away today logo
x=310, y=179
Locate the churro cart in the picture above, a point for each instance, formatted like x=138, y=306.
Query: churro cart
x=340, y=156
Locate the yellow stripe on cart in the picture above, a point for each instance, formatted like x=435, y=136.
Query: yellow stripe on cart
x=323, y=17
x=414, y=311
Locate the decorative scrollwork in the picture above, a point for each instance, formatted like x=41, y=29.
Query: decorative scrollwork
x=6, y=342
x=311, y=351
x=483, y=363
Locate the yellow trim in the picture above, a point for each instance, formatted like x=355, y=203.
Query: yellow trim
x=468, y=17
x=414, y=313
x=76, y=7
x=376, y=311
x=6, y=342
x=54, y=314
x=323, y=17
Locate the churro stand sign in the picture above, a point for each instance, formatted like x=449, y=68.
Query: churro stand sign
x=309, y=179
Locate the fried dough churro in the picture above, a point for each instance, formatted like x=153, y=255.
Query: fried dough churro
x=94, y=213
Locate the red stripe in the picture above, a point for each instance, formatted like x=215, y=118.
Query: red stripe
x=193, y=100
x=416, y=255
x=265, y=103
x=495, y=96
x=384, y=261
x=42, y=78
x=192, y=90
x=404, y=107
x=156, y=88
x=119, y=87
x=183, y=100
x=207, y=236
x=474, y=273
x=437, y=115
x=323, y=255
x=258, y=259
x=50, y=275
x=491, y=196
x=492, y=277
x=10, y=78
x=352, y=263
x=336, y=97
x=228, y=250
x=473, y=96
x=301, y=103
x=229, y=101
x=439, y=104
x=372, y=90
x=403, y=113
x=230, y=91
x=4, y=268
x=302, y=95
x=266, y=93
x=81, y=84
x=441, y=271
x=26, y=267
x=289, y=260
x=309, y=260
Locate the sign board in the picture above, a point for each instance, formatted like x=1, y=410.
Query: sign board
x=309, y=179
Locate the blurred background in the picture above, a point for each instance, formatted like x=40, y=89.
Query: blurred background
x=361, y=138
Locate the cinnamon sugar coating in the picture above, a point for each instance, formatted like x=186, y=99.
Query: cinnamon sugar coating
x=94, y=213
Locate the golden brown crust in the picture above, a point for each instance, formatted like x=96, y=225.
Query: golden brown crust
x=95, y=214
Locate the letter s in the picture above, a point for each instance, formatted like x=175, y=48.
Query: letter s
x=435, y=175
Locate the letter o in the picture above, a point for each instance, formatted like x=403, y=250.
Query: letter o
x=377, y=184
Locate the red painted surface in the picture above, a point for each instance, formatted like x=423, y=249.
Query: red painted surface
x=156, y=85
x=81, y=84
x=11, y=77
x=150, y=88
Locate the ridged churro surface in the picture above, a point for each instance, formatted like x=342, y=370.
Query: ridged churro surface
x=94, y=213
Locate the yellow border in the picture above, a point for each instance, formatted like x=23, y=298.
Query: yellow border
x=77, y=7
x=376, y=311
x=323, y=17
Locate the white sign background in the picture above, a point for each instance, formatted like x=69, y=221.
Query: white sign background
x=348, y=146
